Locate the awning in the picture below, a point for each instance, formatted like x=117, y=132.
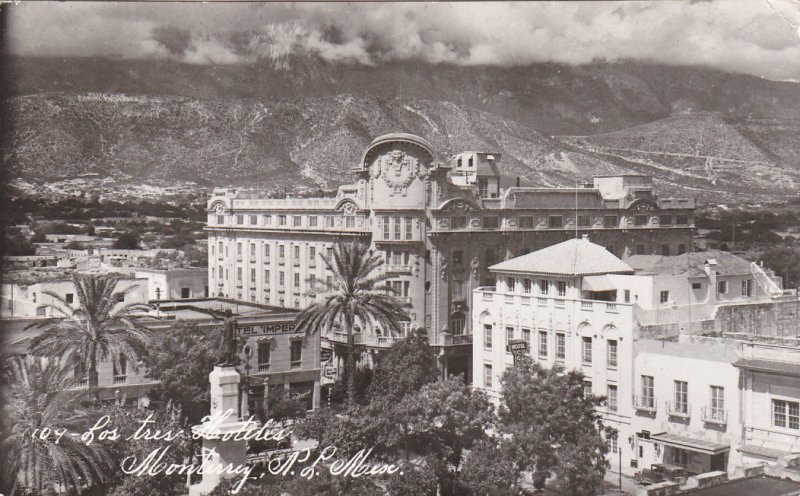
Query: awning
x=750, y=449
x=689, y=443
x=598, y=283
x=769, y=366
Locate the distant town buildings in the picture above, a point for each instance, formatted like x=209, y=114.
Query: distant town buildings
x=438, y=223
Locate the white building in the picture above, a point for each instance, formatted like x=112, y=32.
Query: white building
x=578, y=305
x=173, y=284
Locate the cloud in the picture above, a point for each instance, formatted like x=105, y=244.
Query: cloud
x=758, y=37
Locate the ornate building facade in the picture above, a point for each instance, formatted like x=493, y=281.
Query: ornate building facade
x=438, y=223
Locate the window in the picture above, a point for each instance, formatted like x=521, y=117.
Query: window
x=584, y=221
x=747, y=287
x=526, y=222
x=681, y=397
x=350, y=222
x=509, y=336
x=296, y=353
x=296, y=280
x=239, y=249
x=330, y=220
x=220, y=219
x=511, y=284
x=587, y=350
x=610, y=221
x=266, y=278
x=281, y=278
x=487, y=336
x=239, y=219
x=252, y=275
x=489, y=257
x=587, y=388
x=458, y=289
x=561, y=346
x=483, y=187
x=312, y=221
x=542, y=344
x=786, y=414
x=281, y=253
x=627, y=294
x=613, y=441
x=612, y=353
x=717, y=402
x=238, y=273
x=252, y=250
x=123, y=367
x=562, y=288
x=398, y=258
x=491, y=222
x=648, y=392
x=611, y=397
x=408, y=228
x=312, y=281
x=397, y=228
x=665, y=250
x=267, y=220
x=555, y=222
x=487, y=375
x=263, y=356
x=296, y=253
x=665, y=220
x=543, y=286
x=682, y=220
x=640, y=249
x=664, y=298
x=457, y=323
x=526, y=336
x=458, y=222
x=70, y=298
x=281, y=220
x=526, y=286
x=312, y=256
x=722, y=287
x=640, y=220
x=253, y=220
x=457, y=257
x=297, y=221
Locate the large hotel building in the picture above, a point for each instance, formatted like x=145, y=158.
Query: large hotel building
x=438, y=223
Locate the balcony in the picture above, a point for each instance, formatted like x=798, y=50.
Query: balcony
x=559, y=303
x=296, y=365
x=253, y=259
x=488, y=296
x=644, y=404
x=509, y=299
x=263, y=367
x=120, y=379
x=611, y=308
x=542, y=302
x=714, y=416
x=281, y=261
x=678, y=410
x=587, y=306
x=238, y=258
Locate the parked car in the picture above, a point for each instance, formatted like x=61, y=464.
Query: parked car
x=660, y=472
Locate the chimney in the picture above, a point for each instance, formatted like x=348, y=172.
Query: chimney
x=517, y=181
x=711, y=270
x=585, y=237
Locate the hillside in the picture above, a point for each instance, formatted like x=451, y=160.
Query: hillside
x=302, y=122
x=703, y=146
x=549, y=98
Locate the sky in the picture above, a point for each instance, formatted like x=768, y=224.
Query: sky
x=758, y=37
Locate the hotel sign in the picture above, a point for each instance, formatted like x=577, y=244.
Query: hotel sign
x=518, y=348
x=275, y=328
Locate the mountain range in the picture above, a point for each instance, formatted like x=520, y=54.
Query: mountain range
x=304, y=122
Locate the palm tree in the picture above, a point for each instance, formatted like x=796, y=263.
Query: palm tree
x=35, y=400
x=102, y=327
x=356, y=295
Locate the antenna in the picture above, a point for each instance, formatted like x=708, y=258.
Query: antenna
x=576, y=208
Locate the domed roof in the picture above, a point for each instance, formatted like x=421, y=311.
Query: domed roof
x=403, y=137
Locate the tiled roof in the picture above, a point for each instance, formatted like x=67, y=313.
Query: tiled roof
x=690, y=263
x=573, y=257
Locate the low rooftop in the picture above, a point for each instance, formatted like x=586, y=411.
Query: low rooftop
x=761, y=485
x=691, y=264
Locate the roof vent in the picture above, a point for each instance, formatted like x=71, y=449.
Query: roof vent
x=585, y=237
